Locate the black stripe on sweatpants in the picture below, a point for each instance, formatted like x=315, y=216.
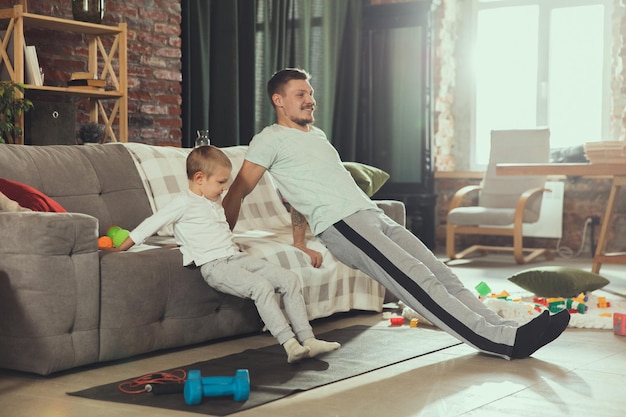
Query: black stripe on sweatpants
x=422, y=296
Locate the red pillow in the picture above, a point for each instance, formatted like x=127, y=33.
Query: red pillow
x=28, y=197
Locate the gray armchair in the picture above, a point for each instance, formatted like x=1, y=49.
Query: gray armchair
x=505, y=203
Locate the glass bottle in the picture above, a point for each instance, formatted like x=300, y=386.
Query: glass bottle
x=91, y=11
x=203, y=138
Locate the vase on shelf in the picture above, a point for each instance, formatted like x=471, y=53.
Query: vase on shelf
x=203, y=138
x=91, y=11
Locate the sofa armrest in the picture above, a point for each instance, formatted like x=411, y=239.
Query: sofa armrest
x=47, y=234
x=394, y=209
x=49, y=291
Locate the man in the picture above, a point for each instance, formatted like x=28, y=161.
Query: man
x=310, y=175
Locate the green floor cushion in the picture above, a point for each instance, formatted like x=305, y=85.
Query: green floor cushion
x=558, y=281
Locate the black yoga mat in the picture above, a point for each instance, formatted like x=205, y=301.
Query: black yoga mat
x=364, y=349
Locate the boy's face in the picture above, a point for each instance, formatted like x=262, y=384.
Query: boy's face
x=214, y=185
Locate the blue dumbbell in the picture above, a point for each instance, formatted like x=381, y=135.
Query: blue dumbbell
x=197, y=386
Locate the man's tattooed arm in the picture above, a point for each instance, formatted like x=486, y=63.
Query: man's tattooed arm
x=300, y=226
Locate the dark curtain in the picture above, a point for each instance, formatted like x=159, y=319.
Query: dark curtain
x=232, y=47
x=195, y=64
x=218, y=70
x=346, y=98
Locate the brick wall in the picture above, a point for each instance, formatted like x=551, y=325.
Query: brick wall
x=154, y=66
x=584, y=197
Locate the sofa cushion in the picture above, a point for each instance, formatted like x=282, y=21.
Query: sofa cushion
x=182, y=308
x=28, y=197
x=163, y=173
x=368, y=178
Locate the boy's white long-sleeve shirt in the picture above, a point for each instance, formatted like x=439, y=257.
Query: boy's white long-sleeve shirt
x=200, y=228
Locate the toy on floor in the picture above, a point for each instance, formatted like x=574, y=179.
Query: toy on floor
x=602, y=303
x=396, y=321
x=556, y=304
x=520, y=311
x=483, y=289
x=485, y=292
x=197, y=386
x=409, y=314
x=619, y=324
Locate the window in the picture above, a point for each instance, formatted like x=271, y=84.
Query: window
x=542, y=63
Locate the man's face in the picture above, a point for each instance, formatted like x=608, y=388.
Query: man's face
x=295, y=106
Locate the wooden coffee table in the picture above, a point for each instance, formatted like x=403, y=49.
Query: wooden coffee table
x=618, y=174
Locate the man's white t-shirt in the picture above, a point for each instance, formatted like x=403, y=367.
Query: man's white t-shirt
x=309, y=174
x=200, y=228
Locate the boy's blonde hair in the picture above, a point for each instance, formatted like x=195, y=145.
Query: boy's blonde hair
x=206, y=159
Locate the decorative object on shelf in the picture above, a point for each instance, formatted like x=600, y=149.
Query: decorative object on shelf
x=86, y=80
x=95, y=83
x=203, y=138
x=12, y=105
x=90, y=132
x=91, y=11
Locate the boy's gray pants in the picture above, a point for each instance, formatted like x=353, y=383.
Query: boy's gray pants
x=248, y=277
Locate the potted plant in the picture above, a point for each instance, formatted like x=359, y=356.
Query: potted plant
x=90, y=132
x=12, y=105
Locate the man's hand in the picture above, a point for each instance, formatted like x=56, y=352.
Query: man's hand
x=316, y=257
x=300, y=225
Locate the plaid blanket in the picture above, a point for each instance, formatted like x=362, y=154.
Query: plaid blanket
x=264, y=230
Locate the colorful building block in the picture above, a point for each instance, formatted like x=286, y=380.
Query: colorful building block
x=619, y=323
x=483, y=289
x=602, y=303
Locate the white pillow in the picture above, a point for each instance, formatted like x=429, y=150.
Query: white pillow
x=163, y=172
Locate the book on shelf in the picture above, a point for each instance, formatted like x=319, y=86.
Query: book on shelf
x=32, y=73
x=83, y=76
x=95, y=83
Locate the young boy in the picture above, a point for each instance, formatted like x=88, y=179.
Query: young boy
x=205, y=239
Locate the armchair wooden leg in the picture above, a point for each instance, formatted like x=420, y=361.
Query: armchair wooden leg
x=450, y=236
x=518, y=242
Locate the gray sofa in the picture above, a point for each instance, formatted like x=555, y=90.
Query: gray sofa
x=64, y=304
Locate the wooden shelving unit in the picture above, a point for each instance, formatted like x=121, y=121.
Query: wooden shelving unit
x=100, y=61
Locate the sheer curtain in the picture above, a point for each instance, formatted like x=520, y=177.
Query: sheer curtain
x=231, y=48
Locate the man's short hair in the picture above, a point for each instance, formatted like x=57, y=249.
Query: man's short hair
x=282, y=77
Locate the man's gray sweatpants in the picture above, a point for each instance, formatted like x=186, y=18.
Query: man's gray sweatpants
x=375, y=244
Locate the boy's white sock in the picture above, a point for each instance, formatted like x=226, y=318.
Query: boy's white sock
x=317, y=346
x=295, y=351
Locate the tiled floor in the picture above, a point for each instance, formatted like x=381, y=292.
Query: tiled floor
x=582, y=373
